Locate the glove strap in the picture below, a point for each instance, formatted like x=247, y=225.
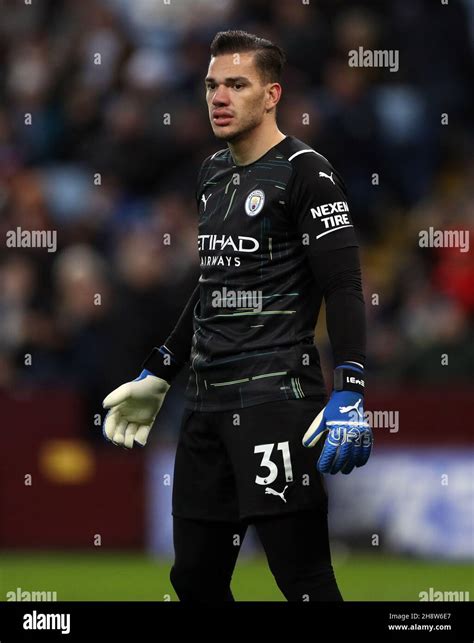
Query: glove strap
x=348, y=378
x=161, y=362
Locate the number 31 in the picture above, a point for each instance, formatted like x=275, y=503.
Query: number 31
x=267, y=449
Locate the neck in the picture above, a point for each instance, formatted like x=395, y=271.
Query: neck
x=255, y=144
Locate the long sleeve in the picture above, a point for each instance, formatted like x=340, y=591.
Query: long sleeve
x=320, y=207
x=167, y=360
x=338, y=275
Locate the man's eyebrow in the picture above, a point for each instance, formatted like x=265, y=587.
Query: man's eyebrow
x=232, y=79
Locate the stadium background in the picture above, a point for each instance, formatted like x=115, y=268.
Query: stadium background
x=109, y=160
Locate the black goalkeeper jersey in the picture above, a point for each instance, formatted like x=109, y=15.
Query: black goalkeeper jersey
x=259, y=301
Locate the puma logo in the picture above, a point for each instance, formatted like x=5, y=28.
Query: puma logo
x=327, y=176
x=276, y=493
x=204, y=200
x=355, y=407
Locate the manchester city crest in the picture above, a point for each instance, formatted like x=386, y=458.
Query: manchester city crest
x=254, y=202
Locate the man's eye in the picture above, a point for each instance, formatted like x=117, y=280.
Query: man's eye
x=238, y=85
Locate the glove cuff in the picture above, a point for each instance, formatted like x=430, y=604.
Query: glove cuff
x=349, y=378
x=161, y=362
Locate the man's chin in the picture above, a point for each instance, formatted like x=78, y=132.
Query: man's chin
x=225, y=133
x=232, y=134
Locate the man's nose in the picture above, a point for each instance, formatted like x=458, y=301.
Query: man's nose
x=221, y=96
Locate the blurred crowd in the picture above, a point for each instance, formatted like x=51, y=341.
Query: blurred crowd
x=103, y=127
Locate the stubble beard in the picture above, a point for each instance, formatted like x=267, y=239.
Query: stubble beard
x=236, y=135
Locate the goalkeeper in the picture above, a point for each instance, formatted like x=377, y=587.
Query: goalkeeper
x=275, y=239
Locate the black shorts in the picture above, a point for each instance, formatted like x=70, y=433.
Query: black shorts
x=236, y=464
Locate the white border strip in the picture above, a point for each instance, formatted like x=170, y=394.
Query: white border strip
x=334, y=230
x=301, y=152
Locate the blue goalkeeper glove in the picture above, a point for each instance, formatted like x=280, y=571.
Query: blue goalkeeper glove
x=133, y=408
x=349, y=437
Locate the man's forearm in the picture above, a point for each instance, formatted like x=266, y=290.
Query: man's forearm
x=339, y=277
x=167, y=360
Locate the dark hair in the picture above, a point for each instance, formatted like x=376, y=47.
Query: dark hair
x=269, y=58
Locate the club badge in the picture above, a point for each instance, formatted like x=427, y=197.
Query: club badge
x=254, y=202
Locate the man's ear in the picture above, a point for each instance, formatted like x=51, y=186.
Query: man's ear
x=274, y=91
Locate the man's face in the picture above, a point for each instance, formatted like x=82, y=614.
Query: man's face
x=235, y=94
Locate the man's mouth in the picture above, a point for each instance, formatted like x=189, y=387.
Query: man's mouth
x=221, y=119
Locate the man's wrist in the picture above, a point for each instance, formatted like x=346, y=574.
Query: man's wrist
x=349, y=376
x=161, y=362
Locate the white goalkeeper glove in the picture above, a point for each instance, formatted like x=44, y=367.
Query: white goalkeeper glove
x=133, y=409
